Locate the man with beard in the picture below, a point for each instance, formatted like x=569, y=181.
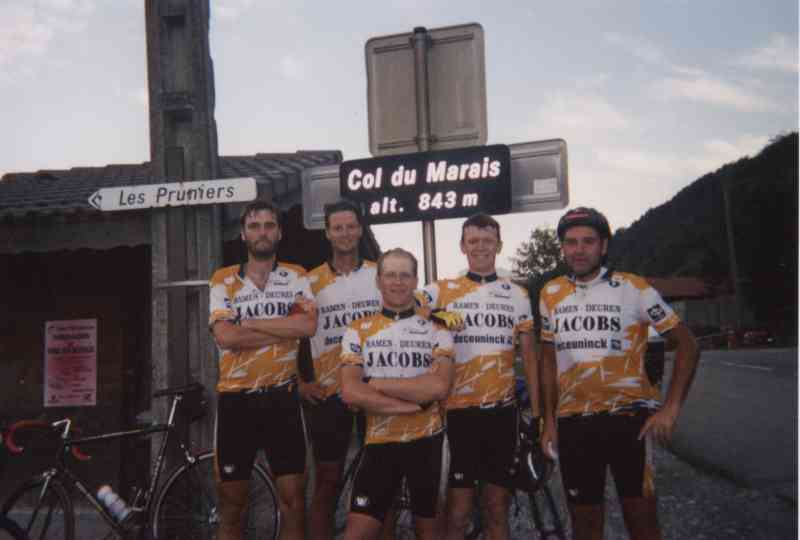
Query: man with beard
x=258, y=311
x=344, y=289
x=600, y=410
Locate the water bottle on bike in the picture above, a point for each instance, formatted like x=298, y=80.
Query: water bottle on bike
x=113, y=502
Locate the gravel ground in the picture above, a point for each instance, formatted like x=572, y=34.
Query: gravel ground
x=693, y=504
x=697, y=505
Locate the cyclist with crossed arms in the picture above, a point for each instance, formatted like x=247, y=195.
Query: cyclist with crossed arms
x=482, y=415
x=396, y=366
x=600, y=410
x=256, y=327
x=345, y=291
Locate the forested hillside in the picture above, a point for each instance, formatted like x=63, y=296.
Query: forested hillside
x=687, y=236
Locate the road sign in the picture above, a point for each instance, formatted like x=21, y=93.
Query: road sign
x=539, y=181
x=226, y=190
x=320, y=186
x=456, y=84
x=539, y=176
x=430, y=185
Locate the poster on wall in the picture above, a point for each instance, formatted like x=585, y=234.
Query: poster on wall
x=70, y=363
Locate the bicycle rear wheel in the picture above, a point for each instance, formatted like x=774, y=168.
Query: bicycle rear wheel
x=186, y=507
x=546, y=514
x=42, y=509
x=345, y=493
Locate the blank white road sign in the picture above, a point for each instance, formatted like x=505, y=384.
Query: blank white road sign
x=456, y=85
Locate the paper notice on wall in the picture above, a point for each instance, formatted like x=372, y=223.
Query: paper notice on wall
x=70, y=363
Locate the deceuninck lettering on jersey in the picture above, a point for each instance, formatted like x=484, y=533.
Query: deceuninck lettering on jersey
x=599, y=334
x=341, y=299
x=494, y=313
x=401, y=348
x=234, y=297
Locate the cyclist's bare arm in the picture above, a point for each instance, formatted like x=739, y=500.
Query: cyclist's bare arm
x=235, y=337
x=433, y=386
x=527, y=345
x=662, y=423
x=357, y=393
x=303, y=324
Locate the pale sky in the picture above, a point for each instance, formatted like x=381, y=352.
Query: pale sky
x=649, y=95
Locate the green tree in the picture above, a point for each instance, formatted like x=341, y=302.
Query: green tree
x=538, y=261
x=541, y=254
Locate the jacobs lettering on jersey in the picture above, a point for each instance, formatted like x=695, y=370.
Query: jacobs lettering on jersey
x=343, y=320
x=488, y=320
x=587, y=323
x=263, y=309
x=398, y=359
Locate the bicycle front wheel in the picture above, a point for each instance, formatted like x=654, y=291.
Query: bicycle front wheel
x=42, y=509
x=186, y=507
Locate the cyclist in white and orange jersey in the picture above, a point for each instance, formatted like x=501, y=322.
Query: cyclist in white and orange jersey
x=345, y=290
x=600, y=409
x=258, y=311
x=482, y=421
x=397, y=366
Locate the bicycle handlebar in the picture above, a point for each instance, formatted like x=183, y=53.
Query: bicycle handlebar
x=14, y=448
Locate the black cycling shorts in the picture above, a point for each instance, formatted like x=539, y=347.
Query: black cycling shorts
x=483, y=444
x=587, y=445
x=330, y=425
x=381, y=469
x=270, y=420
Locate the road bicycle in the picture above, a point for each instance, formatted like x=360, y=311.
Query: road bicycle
x=184, y=507
x=544, y=507
x=9, y=530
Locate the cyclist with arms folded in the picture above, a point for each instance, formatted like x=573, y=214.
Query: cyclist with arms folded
x=256, y=325
x=396, y=366
x=600, y=409
x=345, y=290
x=482, y=416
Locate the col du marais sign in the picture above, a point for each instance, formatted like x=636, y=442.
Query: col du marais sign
x=430, y=185
x=175, y=194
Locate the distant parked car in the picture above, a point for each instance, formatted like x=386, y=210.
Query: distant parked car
x=760, y=336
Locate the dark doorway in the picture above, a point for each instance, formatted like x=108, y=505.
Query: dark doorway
x=112, y=286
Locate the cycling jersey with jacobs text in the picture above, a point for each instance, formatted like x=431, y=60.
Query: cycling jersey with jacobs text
x=495, y=310
x=341, y=299
x=599, y=334
x=233, y=297
x=384, y=345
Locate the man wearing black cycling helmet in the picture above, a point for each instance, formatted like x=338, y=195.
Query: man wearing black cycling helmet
x=600, y=410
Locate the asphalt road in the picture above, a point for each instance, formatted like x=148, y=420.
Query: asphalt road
x=740, y=419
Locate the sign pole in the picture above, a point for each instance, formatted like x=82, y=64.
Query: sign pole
x=423, y=141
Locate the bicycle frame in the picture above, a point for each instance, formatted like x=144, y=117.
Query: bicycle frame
x=144, y=497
